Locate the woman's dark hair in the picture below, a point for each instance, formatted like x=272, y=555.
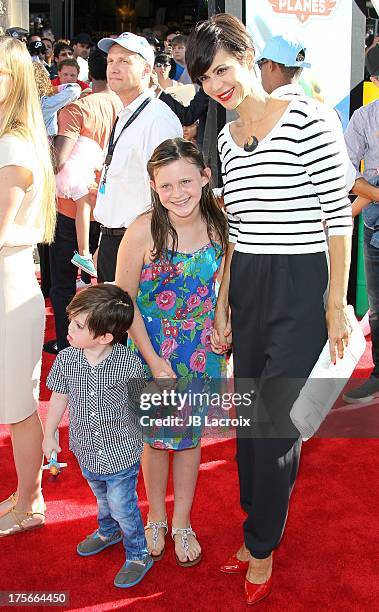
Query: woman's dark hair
x=220, y=32
x=162, y=58
x=109, y=310
x=161, y=226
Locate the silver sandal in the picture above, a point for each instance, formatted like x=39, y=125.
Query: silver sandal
x=155, y=526
x=184, y=533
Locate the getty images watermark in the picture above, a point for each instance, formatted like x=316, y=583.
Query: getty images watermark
x=188, y=408
x=279, y=408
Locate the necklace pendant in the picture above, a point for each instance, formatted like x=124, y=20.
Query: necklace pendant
x=251, y=144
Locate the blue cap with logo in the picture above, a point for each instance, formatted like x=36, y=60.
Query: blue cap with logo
x=285, y=49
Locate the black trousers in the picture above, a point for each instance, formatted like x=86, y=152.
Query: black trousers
x=279, y=329
x=44, y=265
x=63, y=273
x=107, y=258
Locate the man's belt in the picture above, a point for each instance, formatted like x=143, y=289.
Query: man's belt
x=112, y=231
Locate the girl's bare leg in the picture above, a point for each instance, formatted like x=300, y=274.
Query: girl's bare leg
x=185, y=472
x=82, y=224
x=155, y=465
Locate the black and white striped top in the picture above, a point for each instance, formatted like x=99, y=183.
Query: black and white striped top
x=277, y=196
x=105, y=432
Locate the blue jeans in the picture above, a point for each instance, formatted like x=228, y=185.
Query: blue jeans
x=371, y=214
x=371, y=257
x=117, y=503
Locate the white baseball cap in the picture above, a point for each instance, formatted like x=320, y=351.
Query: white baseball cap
x=132, y=42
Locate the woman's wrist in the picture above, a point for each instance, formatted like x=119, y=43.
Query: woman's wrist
x=222, y=310
x=222, y=303
x=152, y=360
x=336, y=303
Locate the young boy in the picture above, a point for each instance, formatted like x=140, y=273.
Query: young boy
x=68, y=72
x=97, y=378
x=178, y=54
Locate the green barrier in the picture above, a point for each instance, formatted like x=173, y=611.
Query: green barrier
x=361, y=306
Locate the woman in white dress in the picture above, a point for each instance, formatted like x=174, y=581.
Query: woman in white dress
x=27, y=216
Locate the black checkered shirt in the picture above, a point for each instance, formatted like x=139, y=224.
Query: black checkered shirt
x=105, y=433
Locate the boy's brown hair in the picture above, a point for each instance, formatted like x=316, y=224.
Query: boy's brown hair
x=109, y=310
x=180, y=39
x=70, y=61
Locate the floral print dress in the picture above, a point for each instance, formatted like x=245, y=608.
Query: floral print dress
x=177, y=299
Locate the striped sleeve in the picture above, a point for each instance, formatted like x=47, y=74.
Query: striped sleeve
x=233, y=220
x=323, y=153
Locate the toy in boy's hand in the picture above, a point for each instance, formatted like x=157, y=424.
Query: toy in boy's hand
x=53, y=465
x=50, y=452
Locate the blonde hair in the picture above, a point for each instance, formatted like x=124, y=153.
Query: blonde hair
x=43, y=82
x=21, y=116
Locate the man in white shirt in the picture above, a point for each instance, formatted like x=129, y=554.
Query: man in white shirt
x=142, y=125
x=82, y=45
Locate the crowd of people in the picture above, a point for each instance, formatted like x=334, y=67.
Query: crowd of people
x=94, y=168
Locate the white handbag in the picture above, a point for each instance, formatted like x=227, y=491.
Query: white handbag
x=326, y=382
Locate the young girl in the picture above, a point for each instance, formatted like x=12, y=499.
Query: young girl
x=53, y=98
x=168, y=261
x=75, y=180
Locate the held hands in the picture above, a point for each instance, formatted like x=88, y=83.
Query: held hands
x=339, y=330
x=221, y=338
x=49, y=445
x=162, y=372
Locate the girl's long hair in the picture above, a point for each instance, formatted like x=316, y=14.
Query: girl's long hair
x=162, y=229
x=21, y=116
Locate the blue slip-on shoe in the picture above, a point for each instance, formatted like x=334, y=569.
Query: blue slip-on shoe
x=132, y=573
x=94, y=544
x=84, y=263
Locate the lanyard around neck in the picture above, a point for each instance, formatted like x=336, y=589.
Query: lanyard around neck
x=112, y=143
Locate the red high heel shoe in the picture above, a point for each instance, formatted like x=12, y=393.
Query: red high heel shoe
x=234, y=566
x=257, y=592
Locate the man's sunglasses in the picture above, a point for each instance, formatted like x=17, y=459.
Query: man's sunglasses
x=261, y=62
x=159, y=65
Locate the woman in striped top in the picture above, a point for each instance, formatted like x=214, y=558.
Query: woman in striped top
x=284, y=177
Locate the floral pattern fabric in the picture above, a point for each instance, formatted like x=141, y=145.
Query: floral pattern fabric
x=177, y=299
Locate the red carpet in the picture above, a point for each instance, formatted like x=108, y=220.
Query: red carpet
x=327, y=559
